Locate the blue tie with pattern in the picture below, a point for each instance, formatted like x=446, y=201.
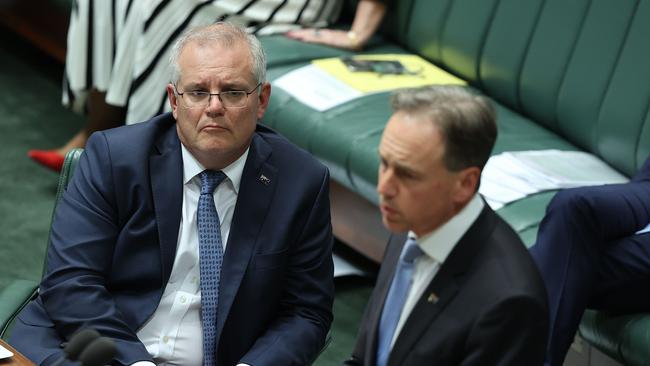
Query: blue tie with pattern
x=395, y=299
x=210, y=258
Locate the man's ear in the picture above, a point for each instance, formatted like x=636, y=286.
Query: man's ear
x=173, y=100
x=263, y=99
x=467, y=184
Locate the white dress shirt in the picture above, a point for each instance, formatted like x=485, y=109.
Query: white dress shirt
x=436, y=246
x=173, y=334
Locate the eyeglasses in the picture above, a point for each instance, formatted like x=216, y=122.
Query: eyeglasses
x=229, y=99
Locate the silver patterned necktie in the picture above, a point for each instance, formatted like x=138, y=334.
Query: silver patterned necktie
x=210, y=259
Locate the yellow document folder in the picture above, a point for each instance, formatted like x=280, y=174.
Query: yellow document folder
x=419, y=72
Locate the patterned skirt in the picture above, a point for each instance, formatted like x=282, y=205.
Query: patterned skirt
x=121, y=47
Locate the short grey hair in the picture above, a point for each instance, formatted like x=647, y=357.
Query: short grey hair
x=223, y=33
x=466, y=121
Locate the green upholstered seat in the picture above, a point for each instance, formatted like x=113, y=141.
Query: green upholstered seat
x=624, y=337
x=568, y=75
x=19, y=292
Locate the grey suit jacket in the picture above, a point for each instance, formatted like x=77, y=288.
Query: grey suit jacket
x=486, y=305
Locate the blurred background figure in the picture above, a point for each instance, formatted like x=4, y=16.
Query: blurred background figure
x=116, y=59
x=366, y=21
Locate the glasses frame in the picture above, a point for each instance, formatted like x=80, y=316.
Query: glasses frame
x=218, y=95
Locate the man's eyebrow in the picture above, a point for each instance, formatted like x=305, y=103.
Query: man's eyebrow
x=398, y=165
x=198, y=85
x=233, y=86
x=403, y=168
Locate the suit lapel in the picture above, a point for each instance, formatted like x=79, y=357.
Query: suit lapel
x=166, y=172
x=443, y=288
x=256, y=189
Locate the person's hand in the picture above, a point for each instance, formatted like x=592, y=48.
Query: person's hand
x=329, y=37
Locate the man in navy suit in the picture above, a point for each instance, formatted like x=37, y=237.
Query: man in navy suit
x=125, y=255
x=591, y=256
x=462, y=290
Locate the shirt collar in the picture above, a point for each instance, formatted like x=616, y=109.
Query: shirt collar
x=441, y=241
x=192, y=167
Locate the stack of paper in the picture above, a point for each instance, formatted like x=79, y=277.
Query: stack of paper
x=327, y=83
x=5, y=353
x=420, y=72
x=510, y=176
x=316, y=88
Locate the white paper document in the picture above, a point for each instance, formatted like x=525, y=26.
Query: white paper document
x=316, y=88
x=510, y=176
x=344, y=268
x=4, y=353
x=644, y=230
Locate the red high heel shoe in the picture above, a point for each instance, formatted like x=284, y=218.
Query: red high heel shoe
x=48, y=158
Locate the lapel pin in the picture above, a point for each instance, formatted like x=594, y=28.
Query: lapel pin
x=433, y=298
x=264, y=180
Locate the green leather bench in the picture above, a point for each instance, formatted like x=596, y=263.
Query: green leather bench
x=20, y=291
x=569, y=75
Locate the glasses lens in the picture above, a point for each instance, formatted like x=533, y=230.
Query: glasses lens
x=233, y=99
x=196, y=99
x=229, y=99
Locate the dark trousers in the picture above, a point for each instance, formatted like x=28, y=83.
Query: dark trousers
x=589, y=256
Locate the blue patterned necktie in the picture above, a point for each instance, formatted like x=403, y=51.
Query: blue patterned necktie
x=210, y=258
x=395, y=299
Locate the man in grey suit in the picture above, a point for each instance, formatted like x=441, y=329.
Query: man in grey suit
x=462, y=289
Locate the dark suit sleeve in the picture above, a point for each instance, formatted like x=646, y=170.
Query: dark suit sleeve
x=296, y=336
x=84, y=231
x=513, y=332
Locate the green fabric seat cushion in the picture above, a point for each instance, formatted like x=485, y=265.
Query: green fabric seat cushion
x=526, y=214
x=345, y=138
x=335, y=138
x=12, y=299
x=281, y=51
x=364, y=165
x=518, y=133
x=623, y=337
x=565, y=75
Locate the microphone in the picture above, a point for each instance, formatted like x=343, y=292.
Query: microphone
x=100, y=352
x=77, y=344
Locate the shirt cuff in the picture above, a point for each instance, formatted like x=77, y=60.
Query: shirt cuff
x=144, y=363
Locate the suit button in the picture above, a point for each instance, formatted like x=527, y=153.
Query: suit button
x=183, y=299
x=165, y=339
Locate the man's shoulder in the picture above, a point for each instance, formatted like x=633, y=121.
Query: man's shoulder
x=505, y=262
x=139, y=137
x=148, y=129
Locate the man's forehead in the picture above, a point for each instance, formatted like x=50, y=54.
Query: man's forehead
x=409, y=141
x=231, y=68
x=197, y=46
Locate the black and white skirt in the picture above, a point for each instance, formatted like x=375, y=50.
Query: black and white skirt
x=122, y=47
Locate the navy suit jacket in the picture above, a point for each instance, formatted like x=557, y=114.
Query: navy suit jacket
x=485, y=306
x=114, y=239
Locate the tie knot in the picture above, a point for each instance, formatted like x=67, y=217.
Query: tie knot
x=411, y=251
x=210, y=179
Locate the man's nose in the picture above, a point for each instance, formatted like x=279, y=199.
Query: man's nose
x=214, y=104
x=385, y=185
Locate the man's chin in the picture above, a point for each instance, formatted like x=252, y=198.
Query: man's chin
x=393, y=225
